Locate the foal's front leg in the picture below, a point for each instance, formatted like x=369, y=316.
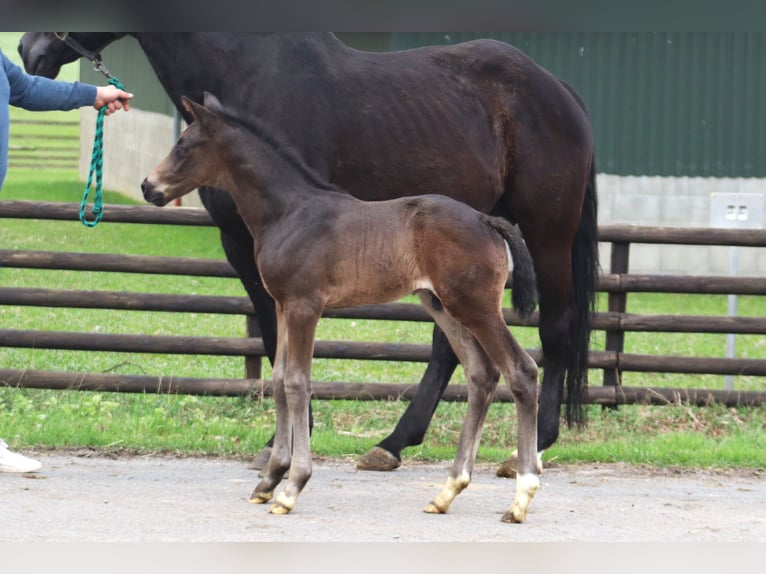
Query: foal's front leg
x=279, y=460
x=301, y=322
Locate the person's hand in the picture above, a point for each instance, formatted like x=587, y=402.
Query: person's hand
x=113, y=98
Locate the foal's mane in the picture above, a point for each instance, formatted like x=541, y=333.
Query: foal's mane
x=282, y=148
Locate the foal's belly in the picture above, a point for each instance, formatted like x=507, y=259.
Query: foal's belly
x=355, y=294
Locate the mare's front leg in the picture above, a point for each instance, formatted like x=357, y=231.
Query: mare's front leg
x=412, y=427
x=301, y=320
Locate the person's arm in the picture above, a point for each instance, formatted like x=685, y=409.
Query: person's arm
x=42, y=94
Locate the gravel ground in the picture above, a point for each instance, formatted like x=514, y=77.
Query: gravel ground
x=78, y=497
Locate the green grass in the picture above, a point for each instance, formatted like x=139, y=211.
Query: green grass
x=9, y=42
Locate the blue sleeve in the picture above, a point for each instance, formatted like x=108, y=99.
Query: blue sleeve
x=41, y=94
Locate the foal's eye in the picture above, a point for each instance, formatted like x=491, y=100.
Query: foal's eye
x=181, y=148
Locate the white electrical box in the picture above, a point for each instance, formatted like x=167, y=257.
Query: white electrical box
x=737, y=210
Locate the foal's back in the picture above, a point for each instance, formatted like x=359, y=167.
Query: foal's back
x=350, y=252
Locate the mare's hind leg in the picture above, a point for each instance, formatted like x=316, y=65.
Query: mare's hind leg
x=482, y=376
x=556, y=317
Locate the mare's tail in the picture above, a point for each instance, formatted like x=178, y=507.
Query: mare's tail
x=585, y=270
x=524, y=293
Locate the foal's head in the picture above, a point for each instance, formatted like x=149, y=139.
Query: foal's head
x=196, y=158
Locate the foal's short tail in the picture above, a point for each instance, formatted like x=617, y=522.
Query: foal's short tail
x=524, y=293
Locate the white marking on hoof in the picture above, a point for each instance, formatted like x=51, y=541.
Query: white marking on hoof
x=260, y=497
x=283, y=504
x=452, y=488
x=526, y=488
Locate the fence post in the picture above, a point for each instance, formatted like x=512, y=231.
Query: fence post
x=615, y=340
x=253, y=364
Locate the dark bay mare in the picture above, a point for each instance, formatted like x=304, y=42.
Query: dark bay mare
x=318, y=247
x=479, y=121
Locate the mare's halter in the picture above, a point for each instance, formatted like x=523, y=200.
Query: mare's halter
x=94, y=57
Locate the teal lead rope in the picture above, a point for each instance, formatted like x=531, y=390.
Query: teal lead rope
x=97, y=168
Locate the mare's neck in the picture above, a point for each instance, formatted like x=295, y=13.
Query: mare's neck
x=244, y=68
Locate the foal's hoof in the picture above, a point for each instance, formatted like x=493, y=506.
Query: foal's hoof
x=508, y=468
x=431, y=508
x=378, y=459
x=260, y=497
x=512, y=517
x=261, y=460
x=278, y=509
x=283, y=504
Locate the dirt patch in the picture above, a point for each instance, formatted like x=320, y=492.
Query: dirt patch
x=159, y=498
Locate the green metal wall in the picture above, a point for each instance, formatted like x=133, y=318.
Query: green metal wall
x=126, y=60
x=664, y=103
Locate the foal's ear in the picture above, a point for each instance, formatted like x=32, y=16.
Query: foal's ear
x=212, y=103
x=190, y=107
x=199, y=114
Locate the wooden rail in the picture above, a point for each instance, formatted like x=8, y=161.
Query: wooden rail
x=32, y=149
x=615, y=321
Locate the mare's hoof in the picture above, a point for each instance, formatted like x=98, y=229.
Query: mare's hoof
x=261, y=460
x=431, y=508
x=508, y=468
x=378, y=459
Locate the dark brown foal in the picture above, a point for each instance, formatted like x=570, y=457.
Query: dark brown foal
x=318, y=247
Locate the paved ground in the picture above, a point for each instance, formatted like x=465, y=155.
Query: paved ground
x=93, y=498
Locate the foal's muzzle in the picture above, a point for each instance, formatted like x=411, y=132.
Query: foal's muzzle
x=151, y=194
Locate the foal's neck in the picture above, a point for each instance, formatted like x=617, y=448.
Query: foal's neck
x=269, y=181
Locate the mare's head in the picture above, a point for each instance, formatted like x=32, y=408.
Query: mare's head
x=195, y=159
x=44, y=53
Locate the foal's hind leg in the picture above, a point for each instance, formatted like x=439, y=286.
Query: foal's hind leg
x=482, y=376
x=520, y=372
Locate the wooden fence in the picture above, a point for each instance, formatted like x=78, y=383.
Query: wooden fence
x=44, y=144
x=613, y=360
